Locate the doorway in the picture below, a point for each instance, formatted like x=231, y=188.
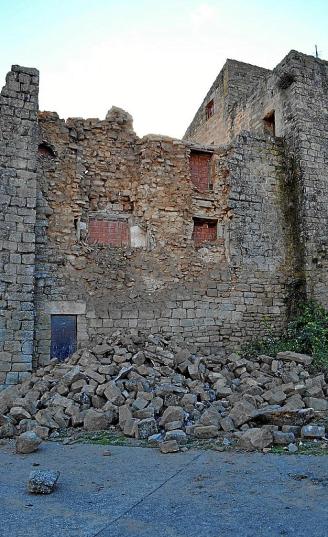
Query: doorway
x=63, y=336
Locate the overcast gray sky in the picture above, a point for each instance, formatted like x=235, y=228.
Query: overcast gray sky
x=155, y=59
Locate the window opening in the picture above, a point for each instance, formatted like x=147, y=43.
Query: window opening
x=44, y=150
x=205, y=230
x=209, y=109
x=200, y=170
x=269, y=123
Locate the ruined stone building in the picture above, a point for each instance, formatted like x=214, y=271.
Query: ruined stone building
x=211, y=238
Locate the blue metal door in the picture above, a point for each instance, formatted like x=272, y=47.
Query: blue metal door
x=63, y=336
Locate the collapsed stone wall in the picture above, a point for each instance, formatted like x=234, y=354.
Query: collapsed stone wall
x=94, y=176
x=18, y=145
x=213, y=294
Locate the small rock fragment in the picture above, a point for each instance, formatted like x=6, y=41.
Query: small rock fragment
x=171, y=446
x=312, y=431
x=42, y=481
x=155, y=439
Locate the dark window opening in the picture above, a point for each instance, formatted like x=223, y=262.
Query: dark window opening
x=200, y=170
x=205, y=230
x=269, y=123
x=63, y=336
x=285, y=81
x=209, y=109
x=44, y=150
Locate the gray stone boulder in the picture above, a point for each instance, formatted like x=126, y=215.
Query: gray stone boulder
x=96, y=420
x=289, y=356
x=241, y=412
x=72, y=376
x=316, y=403
x=227, y=424
x=171, y=446
x=113, y=393
x=178, y=435
x=313, y=431
x=27, y=442
x=42, y=481
x=45, y=418
x=172, y=413
x=253, y=439
x=283, y=439
x=7, y=429
x=206, y=431
x=210, y=416
x=146, y=428
x=19, y=413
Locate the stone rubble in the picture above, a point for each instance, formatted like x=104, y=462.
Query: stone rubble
x=152, y=388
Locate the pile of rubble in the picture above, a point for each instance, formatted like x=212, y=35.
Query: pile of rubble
x=152, y=388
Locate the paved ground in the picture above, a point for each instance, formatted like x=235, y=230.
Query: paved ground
x=139, y=492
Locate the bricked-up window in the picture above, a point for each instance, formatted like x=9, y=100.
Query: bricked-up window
x=200, y=170
x=269, y=123
x=205, y=230
x=209, y=109
x=111, y=232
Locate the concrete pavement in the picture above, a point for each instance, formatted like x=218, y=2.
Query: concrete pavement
x=139, y=492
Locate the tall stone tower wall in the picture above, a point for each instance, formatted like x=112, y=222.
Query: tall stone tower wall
x=18, y=148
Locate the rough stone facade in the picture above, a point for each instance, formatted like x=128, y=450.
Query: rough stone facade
x=290, y=103
x=18, y=184
x=131, y=233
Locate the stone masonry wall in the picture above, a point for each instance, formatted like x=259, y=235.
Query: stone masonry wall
x=234, y=83
x=18, y=144
x=213, y=295
x=296, y=91
x=311, y=167
x=214, y=267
